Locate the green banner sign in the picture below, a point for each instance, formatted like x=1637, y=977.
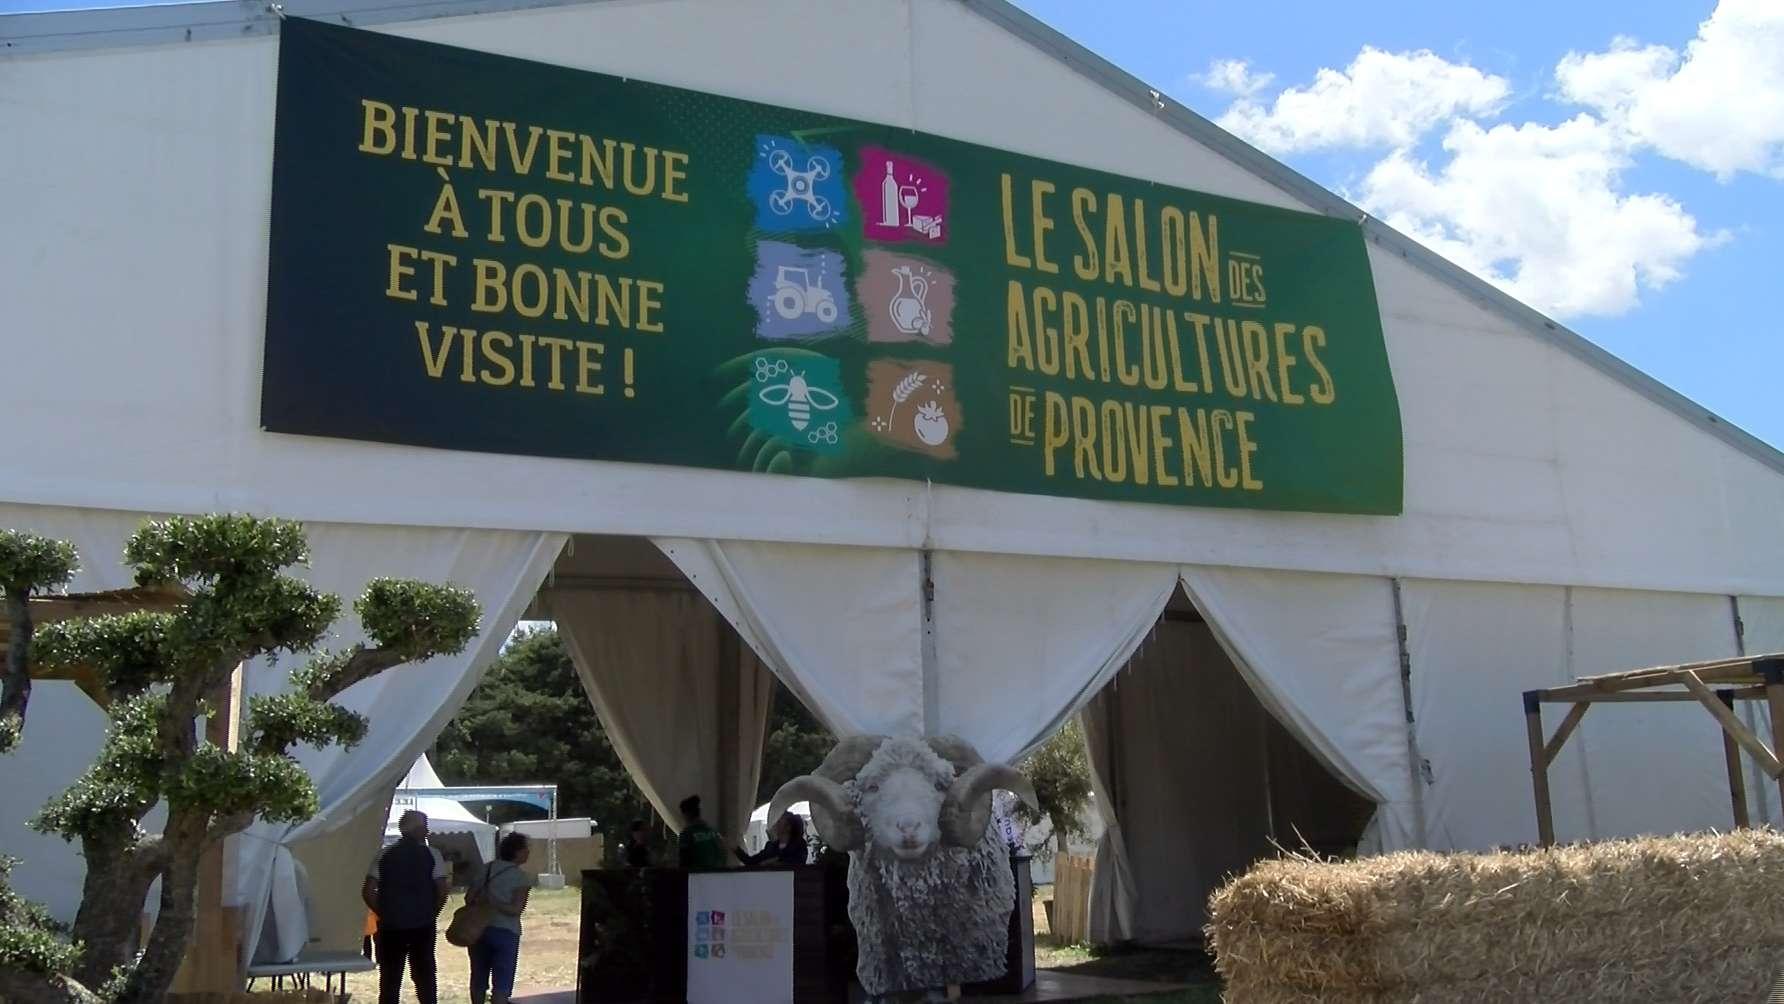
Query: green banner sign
x=473, y=252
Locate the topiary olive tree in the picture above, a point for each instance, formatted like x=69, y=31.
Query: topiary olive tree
x=158, y=669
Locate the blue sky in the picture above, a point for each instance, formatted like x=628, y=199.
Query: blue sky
x=1618, y=164
x=1618, y=223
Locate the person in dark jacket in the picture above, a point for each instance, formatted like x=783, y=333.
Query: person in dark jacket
x=406, y=888
x=636, y=849
x=700, y=846
x=786, y=844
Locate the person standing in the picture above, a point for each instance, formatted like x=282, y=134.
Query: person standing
x=636, y=849
x=786, y=845
x=700, y=845
x=406, y=887
x=505, y=887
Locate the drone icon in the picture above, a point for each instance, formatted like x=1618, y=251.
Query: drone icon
x=801, y=185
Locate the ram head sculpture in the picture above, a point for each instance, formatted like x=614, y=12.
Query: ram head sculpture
x=930, y=885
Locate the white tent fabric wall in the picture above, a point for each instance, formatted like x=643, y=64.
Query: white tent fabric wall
x=1475, y=649
x=841, y=626
x=1521, y=458
x=1321, y=654
x=406, y=707
x=1022, y=643
x=1651, y=768
x=685, y=711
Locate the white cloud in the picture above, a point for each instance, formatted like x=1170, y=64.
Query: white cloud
x=1719, y=107
x=1382, y=99
x=1234, y=76
x=1537, y=211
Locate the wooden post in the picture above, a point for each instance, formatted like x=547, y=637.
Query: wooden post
x=1539, y=768
x=1731, y=752
x=1772, y=671
x=213, y=960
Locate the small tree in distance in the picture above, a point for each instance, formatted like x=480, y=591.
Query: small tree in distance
x=1060, y=773
x=157, y=670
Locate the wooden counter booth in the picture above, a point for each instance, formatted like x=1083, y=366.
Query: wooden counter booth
x=760, y=936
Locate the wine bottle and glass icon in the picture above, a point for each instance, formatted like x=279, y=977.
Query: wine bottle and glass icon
x=898, y=207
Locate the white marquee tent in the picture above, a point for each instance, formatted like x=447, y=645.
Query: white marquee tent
x=1564, y=514
x=444, y=815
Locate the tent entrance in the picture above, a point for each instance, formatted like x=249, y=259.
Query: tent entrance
x=1202, y=779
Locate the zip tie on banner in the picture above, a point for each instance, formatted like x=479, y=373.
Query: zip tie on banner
x=277, y=10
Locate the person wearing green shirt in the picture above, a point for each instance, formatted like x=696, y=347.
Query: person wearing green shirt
x=700, y=843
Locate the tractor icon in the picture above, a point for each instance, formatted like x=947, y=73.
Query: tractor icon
x=795, y=294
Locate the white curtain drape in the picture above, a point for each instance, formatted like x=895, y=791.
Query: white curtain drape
x=1113, y=891
x=1321, y=653
x=1021, y=643
x=841, y=626
x=406, y=707
x=683, y=702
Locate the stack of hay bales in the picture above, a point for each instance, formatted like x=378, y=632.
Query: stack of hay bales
x=1688, y=918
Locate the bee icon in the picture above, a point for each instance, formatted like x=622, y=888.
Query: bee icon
x=800, y=399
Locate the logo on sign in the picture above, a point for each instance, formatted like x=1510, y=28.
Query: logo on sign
x=754, y=934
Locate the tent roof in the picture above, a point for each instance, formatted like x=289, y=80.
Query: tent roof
x=121, y=26
x=444, y=815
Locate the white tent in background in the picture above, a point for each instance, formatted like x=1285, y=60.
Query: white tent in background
x=447, y=818
x=755, y=836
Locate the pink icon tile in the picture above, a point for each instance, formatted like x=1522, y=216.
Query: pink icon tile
x=902, y=198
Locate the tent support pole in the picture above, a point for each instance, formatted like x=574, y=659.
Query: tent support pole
x=1415, y=759
x=1731, y=753
x=1539, y=768
x=1772, y=670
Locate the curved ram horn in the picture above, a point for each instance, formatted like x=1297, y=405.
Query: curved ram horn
x=956, y=751
x=848, y=757
x=966, y=810
x=832, y=813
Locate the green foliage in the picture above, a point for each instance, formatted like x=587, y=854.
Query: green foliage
x=795, y=744
x=33, y=564
x=29, y=939
x=207, y=549
x=278, y=722
x=226, y=782
x=131, y=651
x=1060, y=772
x=417, y=620
x=160, y=668
x=251, y=617
x=529, y=720
x=122, y=784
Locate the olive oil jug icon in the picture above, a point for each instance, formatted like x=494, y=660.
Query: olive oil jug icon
x=909, y=306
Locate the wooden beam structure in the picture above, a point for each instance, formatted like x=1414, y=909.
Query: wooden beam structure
x=49, y=609
x=1715, y=684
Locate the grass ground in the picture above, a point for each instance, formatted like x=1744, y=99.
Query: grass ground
x=548, y=959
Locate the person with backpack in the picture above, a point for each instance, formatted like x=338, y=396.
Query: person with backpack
x=406, y=888
x=504, y=888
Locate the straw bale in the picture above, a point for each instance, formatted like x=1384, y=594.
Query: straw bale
x=1671, y=918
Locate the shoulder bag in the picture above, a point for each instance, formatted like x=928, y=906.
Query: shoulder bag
x=468, y=921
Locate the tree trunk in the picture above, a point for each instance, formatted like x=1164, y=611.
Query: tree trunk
x=150, y=980
x=112, y=896
x=36, y=988
x=15, y=687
